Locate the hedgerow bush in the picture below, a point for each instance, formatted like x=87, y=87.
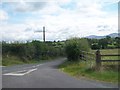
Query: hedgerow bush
x=34, y=50
x=74, y=46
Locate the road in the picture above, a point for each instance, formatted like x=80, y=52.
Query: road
x=45, y=75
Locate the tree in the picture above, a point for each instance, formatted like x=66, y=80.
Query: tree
x=103, y=43
x=109, y=39
x=95, y=46
x=38, y=49
x=74, y=46
x=117, y=42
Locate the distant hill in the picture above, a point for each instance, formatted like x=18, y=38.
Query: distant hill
x=99, y=37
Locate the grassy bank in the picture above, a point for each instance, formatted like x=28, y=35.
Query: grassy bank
x=81, y=69
x=14, y=60
x=109, y=72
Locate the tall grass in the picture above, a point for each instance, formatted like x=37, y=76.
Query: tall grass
x=14, y=60
x=81, y=69
x=109, y=71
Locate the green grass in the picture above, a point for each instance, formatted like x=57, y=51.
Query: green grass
x=107, y=52
x=81, y=69
x=14, y=60
x=7, y=61
x=108, y=73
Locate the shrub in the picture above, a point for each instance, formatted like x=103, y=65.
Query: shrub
x=95, y=46
x=74, y=46
x=34, y=50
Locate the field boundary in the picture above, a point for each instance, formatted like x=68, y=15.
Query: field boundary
x=97, y=57
x=99, y=60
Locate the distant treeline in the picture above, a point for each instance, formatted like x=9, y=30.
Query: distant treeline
x=33, y=50
x=104, y=43
x=40, y=50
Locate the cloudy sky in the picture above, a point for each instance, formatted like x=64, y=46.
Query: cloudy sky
x=62, y=18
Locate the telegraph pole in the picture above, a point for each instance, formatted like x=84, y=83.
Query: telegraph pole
x=44, y=33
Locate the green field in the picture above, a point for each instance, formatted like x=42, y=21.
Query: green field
x=108, y=73
x=107, y=51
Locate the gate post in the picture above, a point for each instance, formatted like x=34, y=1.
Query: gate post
x=98, y=59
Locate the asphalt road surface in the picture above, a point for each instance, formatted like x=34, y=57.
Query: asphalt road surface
x=45, y=75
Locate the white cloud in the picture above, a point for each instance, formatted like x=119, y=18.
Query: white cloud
x=23, y=6
x=62, y=23
x=3, y=15
x=29, y=6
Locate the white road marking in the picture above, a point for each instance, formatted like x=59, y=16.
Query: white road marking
x=24, y=68
x=39, y=65
x=2, y=66
x=33, y=66
x=19, y=73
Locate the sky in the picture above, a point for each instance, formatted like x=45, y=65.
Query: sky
x=63, y=19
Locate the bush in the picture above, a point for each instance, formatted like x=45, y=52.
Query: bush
x=110, y=46
x=95, y=46
x=34, y=50
x=74, y=46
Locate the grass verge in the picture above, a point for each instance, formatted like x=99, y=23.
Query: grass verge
x=14, y=60
x=81, y=69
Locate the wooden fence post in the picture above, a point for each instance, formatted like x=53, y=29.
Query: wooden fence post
x=98, y=59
